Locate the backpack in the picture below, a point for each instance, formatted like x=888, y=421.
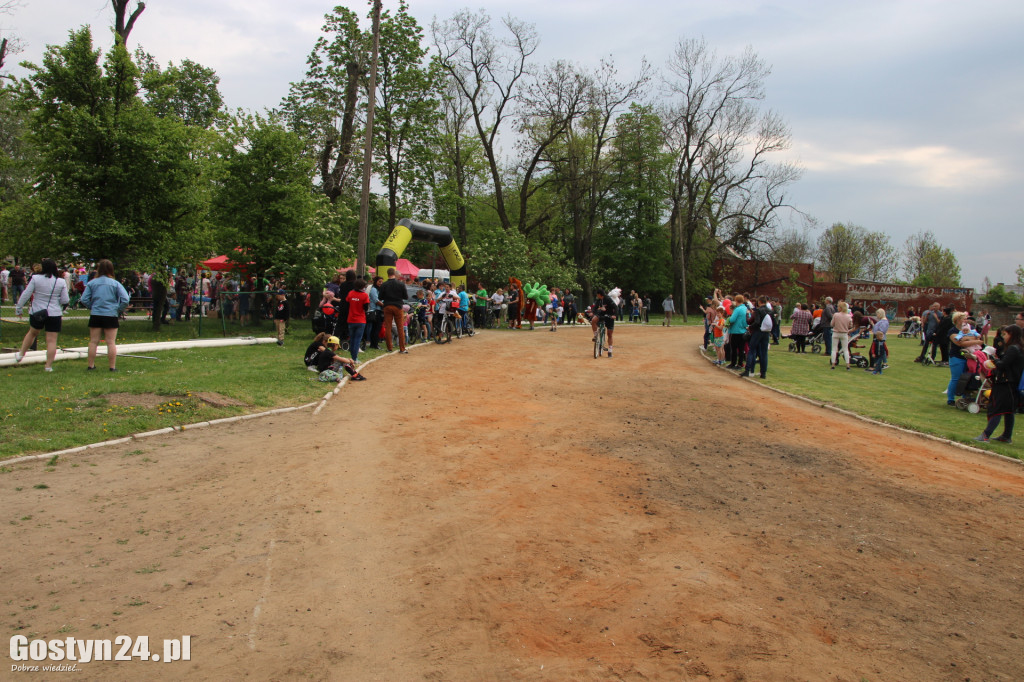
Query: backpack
x=767, y=323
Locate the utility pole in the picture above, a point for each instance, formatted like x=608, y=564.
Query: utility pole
x=364, y=200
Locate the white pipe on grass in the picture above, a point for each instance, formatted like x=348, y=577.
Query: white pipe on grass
x=82, y=352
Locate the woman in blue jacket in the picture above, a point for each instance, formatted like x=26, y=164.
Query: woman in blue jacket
x=737, y=328
x=105, y=298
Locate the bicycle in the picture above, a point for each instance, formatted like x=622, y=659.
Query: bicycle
x=599, y=346
x=443, y=329
x=491, y=318
x=412, y=331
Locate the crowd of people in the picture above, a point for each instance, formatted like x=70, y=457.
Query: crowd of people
x=740, y=330
x=355, y=314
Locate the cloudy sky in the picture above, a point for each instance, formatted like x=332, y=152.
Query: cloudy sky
x=906, y=115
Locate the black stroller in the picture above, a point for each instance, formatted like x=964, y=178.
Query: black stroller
x=325, y=319
x=911, y=328
x=815, y=341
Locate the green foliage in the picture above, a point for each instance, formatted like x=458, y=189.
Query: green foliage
x=926, y=263
x=113, y=179
x=406, y=113
x=321, y=249
x=188, y=92
x=1020, y=275
x=791, y=292
x=501, y=254
x=324, y=108
x=321, y=108
x=850, y=251
x=841, y=251
x=267, y=209
x=633, y=243
x=998, y=295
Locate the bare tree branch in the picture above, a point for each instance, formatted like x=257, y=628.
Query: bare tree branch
x=121, y=28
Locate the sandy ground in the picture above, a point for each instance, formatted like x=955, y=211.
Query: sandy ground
x=509, y=508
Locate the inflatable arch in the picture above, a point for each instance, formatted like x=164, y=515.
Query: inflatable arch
x=405, y=231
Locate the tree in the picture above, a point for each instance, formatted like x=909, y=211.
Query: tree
x=791, y=292
x=121, y=27
x=406, y=112
x=189, y=92
x=998, y=295
x=791, y=246
x=9, y=45
x=489, y=74
x=500, y=253
x=939, y=269
x=322, y=107
x=633, y=240
x=266, y=208
x=928, y=264
x=321, y=248
x=1020, y=275
x=114, y=180
x=841, y=251
x=459, y=166
x=880, y=260
x=723, y=183
x=589, y=163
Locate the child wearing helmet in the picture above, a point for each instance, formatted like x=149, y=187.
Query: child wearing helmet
x=322, y=355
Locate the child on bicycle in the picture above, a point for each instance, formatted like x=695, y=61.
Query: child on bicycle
x=604, y=310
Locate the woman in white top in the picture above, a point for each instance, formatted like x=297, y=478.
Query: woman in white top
x=49, y=293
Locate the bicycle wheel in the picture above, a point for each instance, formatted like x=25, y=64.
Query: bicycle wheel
x=439, y=331
x=599, y=342
x=412, y=332
x=458, y=328
x=470, y=330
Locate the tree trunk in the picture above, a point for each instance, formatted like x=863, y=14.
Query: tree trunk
x=121, y=28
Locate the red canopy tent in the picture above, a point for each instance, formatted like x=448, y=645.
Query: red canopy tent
x=353, y=267
x=219, y=263
x=405, y=267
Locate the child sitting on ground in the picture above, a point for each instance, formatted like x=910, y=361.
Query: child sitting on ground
x=322, y=356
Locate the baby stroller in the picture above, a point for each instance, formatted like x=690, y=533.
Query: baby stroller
x=815, y=341
x=325, y=319
x=974, y=387
x=857, y=359
x=911, y=328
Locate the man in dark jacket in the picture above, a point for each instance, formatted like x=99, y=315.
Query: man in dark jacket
x=826, y=324
x=942, y=333
x=392, y=296
x=760, y=335
x=930, y=324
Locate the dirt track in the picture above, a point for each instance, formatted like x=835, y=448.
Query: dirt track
x=543, y=516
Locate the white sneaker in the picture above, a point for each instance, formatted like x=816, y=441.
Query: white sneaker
x=18, y=357
x=47, y=369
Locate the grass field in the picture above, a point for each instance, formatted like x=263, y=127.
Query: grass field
x=907, y=394
x=41, y=412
